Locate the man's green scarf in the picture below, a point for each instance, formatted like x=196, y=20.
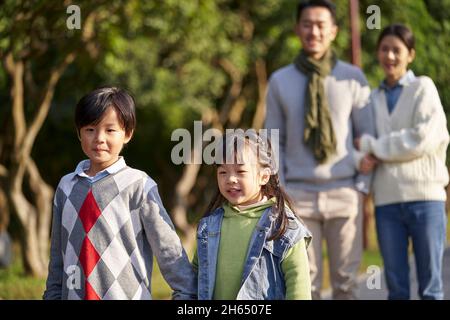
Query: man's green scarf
x=318, y=134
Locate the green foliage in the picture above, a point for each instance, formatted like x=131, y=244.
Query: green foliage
x=170, y=55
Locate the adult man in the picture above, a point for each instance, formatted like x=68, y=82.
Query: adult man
x=320, y=104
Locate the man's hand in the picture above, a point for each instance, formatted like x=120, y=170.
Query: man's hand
x=356, y=143
x=367, y=164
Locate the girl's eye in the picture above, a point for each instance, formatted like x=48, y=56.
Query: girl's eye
x=242, y=171
x=221, y=172
x=89, y=129
x=111, y=130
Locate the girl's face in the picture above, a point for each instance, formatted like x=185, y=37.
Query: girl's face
x=103, y=142
x=394, y=57
x=241, y=184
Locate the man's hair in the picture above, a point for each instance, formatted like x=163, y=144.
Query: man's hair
x=302, y=5
x=92, y=107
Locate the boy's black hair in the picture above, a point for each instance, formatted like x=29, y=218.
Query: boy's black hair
x=302, y=5
x=91, y=108
x=400, y=31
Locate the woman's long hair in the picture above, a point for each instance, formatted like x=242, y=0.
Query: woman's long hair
x=266, y=159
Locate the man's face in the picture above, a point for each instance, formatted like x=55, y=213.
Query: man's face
x=316, y=31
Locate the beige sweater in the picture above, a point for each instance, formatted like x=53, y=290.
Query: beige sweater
x=412, y=143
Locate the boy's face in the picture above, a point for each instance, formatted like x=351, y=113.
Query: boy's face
x=103, y=142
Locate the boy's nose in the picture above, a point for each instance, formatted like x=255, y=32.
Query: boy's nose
x=100, y=136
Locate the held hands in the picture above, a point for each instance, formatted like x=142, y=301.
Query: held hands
x=369, y=162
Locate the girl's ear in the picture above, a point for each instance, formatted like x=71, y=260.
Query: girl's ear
x=412, y=55
x=265, y=176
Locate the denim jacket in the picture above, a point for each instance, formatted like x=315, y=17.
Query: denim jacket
x=262, y=277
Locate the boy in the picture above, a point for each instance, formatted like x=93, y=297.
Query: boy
x=108, y=219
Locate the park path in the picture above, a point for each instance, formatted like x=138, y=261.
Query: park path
x=364, y=293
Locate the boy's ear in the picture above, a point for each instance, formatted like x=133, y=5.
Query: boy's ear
x=128, y=136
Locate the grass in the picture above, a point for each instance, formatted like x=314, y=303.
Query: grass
x=16, y=285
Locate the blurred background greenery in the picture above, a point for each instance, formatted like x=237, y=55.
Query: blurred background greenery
x=182, y=61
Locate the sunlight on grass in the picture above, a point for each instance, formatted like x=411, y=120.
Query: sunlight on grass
x=14, y=284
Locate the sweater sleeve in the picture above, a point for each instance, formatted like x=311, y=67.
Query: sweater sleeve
x=427, y=133
x=53, y=289
x=275, y=120
x=167, y=248
x=295, y=268
x=363, y=122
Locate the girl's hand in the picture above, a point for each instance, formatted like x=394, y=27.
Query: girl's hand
x=367, y=164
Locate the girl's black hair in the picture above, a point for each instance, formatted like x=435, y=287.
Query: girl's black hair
x=272, y=189
x=91, y=108
x=400, y=31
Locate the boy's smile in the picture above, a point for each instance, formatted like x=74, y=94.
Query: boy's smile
x=103, y=142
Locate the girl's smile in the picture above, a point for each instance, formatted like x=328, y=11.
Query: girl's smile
x=241, y=184
x=394, y=57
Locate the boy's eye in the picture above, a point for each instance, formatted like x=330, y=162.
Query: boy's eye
x=111, y=130
x=89, y=129
x=242, y=171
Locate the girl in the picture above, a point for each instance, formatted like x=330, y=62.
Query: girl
x=250, y=243
x=409, y=182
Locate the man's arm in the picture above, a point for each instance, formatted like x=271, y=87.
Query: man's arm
x=363, y=122
x=276, y=120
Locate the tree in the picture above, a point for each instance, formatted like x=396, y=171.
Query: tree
x=35, y=38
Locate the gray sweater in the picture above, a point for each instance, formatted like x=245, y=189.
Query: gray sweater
x=348, y=96
x=104, y=236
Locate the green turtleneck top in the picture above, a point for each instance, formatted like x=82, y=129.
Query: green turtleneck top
x=237, y=228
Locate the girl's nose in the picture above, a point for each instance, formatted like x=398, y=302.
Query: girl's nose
x=232, y=178
x=390, y=55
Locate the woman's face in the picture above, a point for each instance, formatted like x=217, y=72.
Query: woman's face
x=394, y=57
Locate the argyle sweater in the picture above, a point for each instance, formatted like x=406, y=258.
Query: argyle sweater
x=104, y=235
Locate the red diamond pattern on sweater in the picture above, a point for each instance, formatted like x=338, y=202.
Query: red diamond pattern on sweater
x=89, y=256
x=89, y=212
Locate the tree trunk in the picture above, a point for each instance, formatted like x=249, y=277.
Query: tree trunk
x=260, y=113
x=33, y=214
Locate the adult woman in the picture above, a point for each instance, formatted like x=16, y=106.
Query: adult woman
x=410, y=179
